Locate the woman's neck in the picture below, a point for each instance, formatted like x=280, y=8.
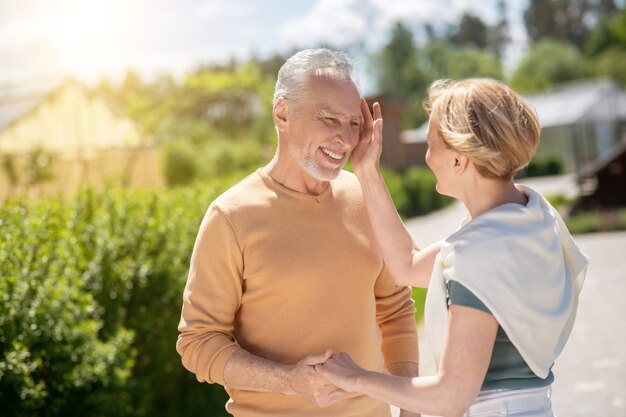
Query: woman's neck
x=485, y=194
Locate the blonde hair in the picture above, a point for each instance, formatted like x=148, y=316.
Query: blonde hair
x=485, y=121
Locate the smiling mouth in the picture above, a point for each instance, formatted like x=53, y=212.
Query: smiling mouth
x=334, y=155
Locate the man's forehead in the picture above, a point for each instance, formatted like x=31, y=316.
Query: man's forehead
x=330, y=111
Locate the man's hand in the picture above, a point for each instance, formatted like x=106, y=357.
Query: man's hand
x=307, y=383
x=405, y=413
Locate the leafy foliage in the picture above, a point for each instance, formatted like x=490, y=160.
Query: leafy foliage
x=420, y=184
x=549, y=62
x=54, y=360
x=90, y=301
x=545, y=165
x=565, y=20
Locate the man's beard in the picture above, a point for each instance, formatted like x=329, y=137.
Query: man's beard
x=315, y=170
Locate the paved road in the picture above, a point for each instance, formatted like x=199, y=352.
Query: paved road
x=591, y=371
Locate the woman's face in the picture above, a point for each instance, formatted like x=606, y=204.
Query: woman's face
x=441, y=161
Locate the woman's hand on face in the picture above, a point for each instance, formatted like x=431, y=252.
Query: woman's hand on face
x=367, y=152
x=341, y=371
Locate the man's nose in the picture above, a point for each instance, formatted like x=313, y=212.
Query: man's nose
x=347, y=136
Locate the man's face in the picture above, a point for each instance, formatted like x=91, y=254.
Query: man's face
x=324, y=129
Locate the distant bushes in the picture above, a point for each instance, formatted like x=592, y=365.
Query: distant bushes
x=580, y=219
x=185, y=163
x=413, y=191
x=597, y=221
x=544, y=165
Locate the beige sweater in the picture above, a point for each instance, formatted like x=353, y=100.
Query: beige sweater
x=284, y=274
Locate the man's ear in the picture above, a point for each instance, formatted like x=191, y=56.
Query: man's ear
x=280, y=113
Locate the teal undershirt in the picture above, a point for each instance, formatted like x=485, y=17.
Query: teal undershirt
x=507, y=369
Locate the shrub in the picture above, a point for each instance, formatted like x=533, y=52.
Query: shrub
x=597, y=221
x=53, y=358
x=544, y=165
x=179, y=163
x=420, y=184
x=91, y=296
x=395, y=184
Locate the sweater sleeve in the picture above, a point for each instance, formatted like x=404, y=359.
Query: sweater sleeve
x=395, y=313
x=211, y=299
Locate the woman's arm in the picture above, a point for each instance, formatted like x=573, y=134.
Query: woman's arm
x=470, y=339
x=407, y=264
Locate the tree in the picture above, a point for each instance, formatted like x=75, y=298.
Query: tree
x=498, y=36
x=400, y=74
x=444, y=62
x=567, y=20
x=549, y=62
x=609, y=33
x=612, y=64
x=397, y=68
x=472, y=32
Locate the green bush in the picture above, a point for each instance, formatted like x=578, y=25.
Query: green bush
x=90, y=299
x=185, y=162
x=420, y=185
x=179, y=163
x=395, y=184
x=54, y=360
x=544, y=165
x=597, y=221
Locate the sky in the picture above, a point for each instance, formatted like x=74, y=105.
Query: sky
x=90, y=39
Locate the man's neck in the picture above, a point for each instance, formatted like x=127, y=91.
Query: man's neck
x=290, y=175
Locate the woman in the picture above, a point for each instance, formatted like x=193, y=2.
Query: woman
x=502, y=290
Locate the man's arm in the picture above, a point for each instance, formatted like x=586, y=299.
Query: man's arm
x=246, y=371
x=211, y=299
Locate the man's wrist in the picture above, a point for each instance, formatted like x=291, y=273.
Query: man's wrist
x=289, y=376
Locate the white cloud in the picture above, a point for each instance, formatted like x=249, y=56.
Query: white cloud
x=330, y=21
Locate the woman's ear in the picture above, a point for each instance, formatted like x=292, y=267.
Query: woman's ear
x=280, y=113
x=460, y=163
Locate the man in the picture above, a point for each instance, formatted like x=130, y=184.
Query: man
x=285, y=265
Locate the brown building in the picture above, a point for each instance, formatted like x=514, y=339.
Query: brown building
x=398, y=154
x=606, y=179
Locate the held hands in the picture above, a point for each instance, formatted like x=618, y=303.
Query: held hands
x=367, y=152
x=340, y=370
x=307, y=383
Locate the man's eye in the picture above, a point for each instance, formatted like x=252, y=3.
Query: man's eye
x=356, y=125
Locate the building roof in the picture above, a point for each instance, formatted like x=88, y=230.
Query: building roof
x=16, y=101
x=576, y=102
x=565, y=105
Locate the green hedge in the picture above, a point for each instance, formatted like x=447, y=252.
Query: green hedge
x=90, y=299
x=541, y=166
x=414, y=191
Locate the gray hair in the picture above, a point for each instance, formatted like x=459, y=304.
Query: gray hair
x=293, y=75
